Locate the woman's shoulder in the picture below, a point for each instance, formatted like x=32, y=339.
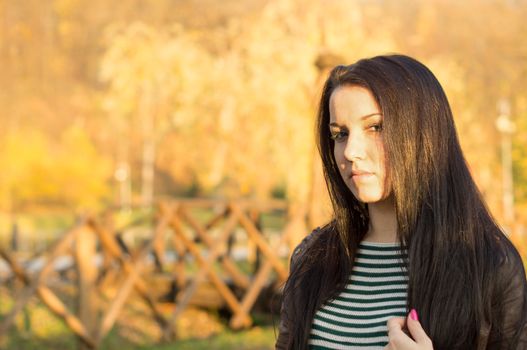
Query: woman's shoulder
x=509, y=268
x=307, y=242
x=510, y=259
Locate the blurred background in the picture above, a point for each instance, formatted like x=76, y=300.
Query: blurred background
x=115, y=107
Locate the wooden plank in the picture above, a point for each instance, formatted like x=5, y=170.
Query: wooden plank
x=59, y=309
x=50, y=300
x=255, y=235
x=216, y=219
x=133, y=279
x=238, y=319
x=58, y=248
x=116, y=306
x=158, y=244
x=85, y=251
x=256, y=286
x=107, y=240
x=191, y=289
x=237, y=276
x=179, y=265
x=130, y=268
x=263, y=205
x=226, y=293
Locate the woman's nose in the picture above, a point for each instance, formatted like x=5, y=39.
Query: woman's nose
x=355, y=148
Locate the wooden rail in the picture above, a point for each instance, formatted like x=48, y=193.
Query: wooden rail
x=127, y=269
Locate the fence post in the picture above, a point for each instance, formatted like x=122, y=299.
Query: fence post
x=256, y=218
x=85, y=250
x=14, y=236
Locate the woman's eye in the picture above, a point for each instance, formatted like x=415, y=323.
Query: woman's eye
x=339, y=136
x=375, y=127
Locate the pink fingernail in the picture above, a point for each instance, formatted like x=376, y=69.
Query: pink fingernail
x=413, y=315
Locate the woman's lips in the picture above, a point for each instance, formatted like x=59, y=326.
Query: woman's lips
x=360, y=175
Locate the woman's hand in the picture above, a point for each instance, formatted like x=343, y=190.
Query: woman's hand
x=399, y=340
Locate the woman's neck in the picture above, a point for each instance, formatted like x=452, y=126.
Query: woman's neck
x=383, y=222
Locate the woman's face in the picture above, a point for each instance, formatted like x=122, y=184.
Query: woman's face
x=356, y=128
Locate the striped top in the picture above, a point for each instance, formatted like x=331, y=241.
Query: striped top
x=376, y=291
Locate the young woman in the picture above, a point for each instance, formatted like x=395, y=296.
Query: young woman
x=412, y=258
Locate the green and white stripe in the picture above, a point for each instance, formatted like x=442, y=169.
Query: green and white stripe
x=376, y=291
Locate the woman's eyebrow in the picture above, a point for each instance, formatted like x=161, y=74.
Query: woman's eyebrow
x=370, y=115
x=336, y=125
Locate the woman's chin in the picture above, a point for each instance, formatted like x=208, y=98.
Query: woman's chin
x=369, y=198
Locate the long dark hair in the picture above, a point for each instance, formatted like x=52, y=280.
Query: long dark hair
x=454, y=245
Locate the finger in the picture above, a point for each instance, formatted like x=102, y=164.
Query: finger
x=416, y=330
x=397, y=338
x=395, y=324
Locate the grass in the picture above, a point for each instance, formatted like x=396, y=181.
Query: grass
x=254, y=339
x=257, y=338
x=37, y=328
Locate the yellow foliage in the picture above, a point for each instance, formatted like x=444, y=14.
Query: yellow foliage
x=82, y=172
x=231, y=104
x=67, y=171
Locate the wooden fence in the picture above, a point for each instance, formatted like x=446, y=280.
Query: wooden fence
x=102, y=259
